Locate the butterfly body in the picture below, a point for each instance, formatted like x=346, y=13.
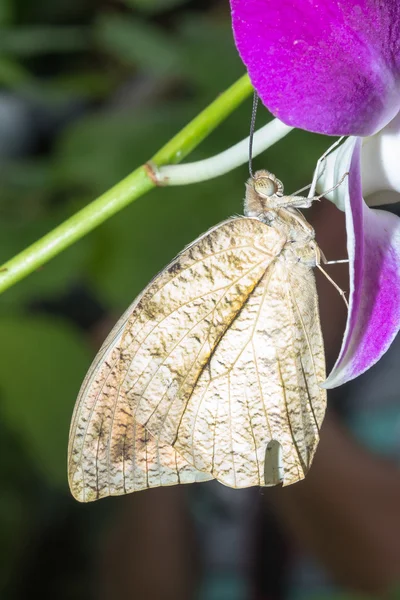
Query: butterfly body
x=221, y=355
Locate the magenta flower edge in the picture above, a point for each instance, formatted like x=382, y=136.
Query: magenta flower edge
x=374, y=254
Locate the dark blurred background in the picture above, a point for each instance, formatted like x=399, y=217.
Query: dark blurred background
x=90, y=89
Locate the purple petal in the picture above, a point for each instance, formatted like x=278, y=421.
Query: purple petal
x=329, y=67
x=374, y=253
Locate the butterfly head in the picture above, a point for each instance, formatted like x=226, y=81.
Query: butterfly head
x=265, y=184
x=260, y=190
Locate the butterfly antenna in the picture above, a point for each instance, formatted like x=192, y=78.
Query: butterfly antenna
x=252, y=126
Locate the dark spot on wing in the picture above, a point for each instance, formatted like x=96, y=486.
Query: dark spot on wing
x=175, y=268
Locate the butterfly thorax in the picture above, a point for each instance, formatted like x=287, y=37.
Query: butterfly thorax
x=300, y=246
x=265, y=201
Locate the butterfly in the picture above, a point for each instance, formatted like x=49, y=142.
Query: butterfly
x=215, y=370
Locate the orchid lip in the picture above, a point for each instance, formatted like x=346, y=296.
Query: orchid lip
x=373, y=241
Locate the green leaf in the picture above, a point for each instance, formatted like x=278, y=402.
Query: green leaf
x=25, y=176
x=154, y=6
x=87, y=83
x=210, y=60
x=54, y=278
x=6, y=12
x=12, y=74
x=42, y=364
x=97, y=151
x=138, y=43
x=31, y=41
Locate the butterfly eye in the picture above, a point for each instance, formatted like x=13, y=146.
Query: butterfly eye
x=265, y=186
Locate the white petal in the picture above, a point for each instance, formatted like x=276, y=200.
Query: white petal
x=380, y=172
x=336, y=165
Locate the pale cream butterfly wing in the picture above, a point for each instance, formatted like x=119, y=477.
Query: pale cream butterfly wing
x=261, y=383
x=139, y=461
x=258, y=380
x=154, y=357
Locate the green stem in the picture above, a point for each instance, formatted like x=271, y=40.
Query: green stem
x=126, y=191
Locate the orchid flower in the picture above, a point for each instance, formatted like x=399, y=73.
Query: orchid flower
x=334, y=68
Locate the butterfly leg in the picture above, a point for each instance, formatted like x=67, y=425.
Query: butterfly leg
x=302, y=201
x=321, y=162
x=303, y=189
x=331, y=262
x=331, y=189
x=320, y=255
x=339, y=289
x=317, y=173
x=336, y=262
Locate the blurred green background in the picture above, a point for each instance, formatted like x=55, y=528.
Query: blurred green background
x=89, y=90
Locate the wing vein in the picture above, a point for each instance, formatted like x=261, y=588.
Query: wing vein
x=253, y=437
x=311, y=354
x=288, y=417
x=157, y=324
x=205, y=341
